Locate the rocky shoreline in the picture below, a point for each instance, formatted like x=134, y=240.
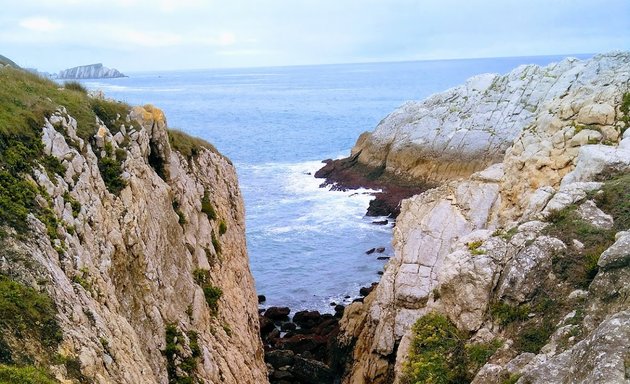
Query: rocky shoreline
x=303, y=348
x=348, y=174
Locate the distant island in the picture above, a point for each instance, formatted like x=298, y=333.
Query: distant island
x=92, y=71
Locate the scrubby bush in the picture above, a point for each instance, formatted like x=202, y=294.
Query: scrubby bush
x=207, y=207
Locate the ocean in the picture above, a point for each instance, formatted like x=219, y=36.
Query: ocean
x=307, y=245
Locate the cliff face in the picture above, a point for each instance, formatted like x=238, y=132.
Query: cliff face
x=91, y=71
x=464, y=129
x=145, y=261
x=525, y=258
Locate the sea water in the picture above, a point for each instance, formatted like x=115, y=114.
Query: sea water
x=307, y=245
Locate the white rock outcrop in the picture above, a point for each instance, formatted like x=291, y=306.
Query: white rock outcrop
x=470, y=242
x=91, y=71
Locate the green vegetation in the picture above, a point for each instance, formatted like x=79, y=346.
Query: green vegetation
x=24, y=375
x=534, y=336
x=216, y=244
x=222, y=227
x=26, y=314
x=112, y=113
x=439, y=353
x=111, y=172
x=473, y=247
x=25, y=101
x=506, y=314
x=577, y=267
x=181, y=365
x=614, y=199
x=512, y=379
x=74, y=203
x=189, y=146
x=625, y=109
x=75, y=86
x=211, y=293
x=180, y=214
x=207, y=207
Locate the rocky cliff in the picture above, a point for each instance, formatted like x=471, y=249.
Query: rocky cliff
x=91, y=71
x=519, y=271
x=123, y=256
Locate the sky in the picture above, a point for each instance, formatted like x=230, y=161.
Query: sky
x=143, y=35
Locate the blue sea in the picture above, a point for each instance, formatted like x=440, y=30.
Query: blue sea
x=306, y=244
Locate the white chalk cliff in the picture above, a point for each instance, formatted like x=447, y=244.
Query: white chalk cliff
x=510, y=151
x=91, y=71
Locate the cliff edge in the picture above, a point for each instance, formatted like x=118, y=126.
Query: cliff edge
x=518, y=271
x=122, y=255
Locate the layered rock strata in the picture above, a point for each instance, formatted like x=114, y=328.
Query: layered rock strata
x=494, y=240
x=151, y=285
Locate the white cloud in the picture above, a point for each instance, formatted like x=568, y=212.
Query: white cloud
x=40, y=24
x=226, y=38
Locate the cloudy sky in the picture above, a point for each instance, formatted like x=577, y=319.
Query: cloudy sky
x=137, y=35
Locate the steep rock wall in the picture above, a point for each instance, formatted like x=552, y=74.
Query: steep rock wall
x=469, y=244
x=151, y=285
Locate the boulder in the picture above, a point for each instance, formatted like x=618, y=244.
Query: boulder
x=277, y=313
x=280, y=358
x=311, y=371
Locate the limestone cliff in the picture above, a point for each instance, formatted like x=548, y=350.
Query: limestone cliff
x=527, y=258
x=136, y=234
x=91, y=71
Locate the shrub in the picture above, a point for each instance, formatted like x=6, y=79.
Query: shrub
x=74, y=203
x=222, y=227
x=614, y=198
x=533, y=337
x=75, y=86
x=180, y=214
x=207, y=207
x=212, y=294
x=578, y=267
x=505, y=314
x=512, y=379
x=625, y=109
x=436, y=352
x=112, y=113
x=216, y=244
x=26, y=312
x=111, y=172
x=24, y=375
x=180, y=366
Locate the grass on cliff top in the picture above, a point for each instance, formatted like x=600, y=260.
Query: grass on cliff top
x=188, y=146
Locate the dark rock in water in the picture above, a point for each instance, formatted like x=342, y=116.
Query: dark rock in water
x=364, y=291
x=288, y=327
x=302, y=343
x=380, y=249
x=266, y=325
x=378, y=207
x=261, y=310
x=380, y=273
x=307, y=319
x=311, y=371
x=358, y=300
x=282, y=376
x=273, y=335
x=382, y=258
x=279, y=358
x=381, y=222
x=370, y=251
x=339, y=308
x=346, y=297
x=332, y=303
x=277, y=313
x=261, y=299
x=327, y=327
